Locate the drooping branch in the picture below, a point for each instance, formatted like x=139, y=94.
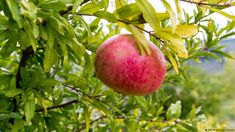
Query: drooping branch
x=207, y=4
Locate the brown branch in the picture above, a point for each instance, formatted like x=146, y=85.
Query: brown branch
x=206, y=4
x=59, y=106
x=23, y=61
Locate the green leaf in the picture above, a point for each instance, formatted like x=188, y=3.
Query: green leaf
x=132, y=9
x=186, y=31
x=173, y=61
x=188, y=127
x=57, y=24
x=31, y=38
x=5, y=81
x=10, y=115
x=3, y=35
x=87, y=118
x=18, y=124
x=194, y=112
x=62, y=43
x=227, y=35
x=163, y=16
x=120, y=3
x=29, y=10
x=172, y=15
x=178, y=8
x=222, y=13
x=99, y=105
x=142, y=101
x=29, y=107
x=183, y=31
x=15, y=11
x=175, y=43
x=106, y=15
x=23, y=40
x=132, y=125
x=206, y=53
x=8, y=47
x=50, y=82
x=185, y=75
x=12, y=92
x=77, y=47
x=89, y=8
x=143, y=42
x=45, y=103
x=76, y=4
x=50, y=55
x=223, y=54
x=3, y=23
x=149, y=14
x=54, y=5
x=174, y=111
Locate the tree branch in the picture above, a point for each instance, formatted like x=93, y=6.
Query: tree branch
x=23, y=61
x=206, y=4
x=25, y=55
x=58, y=106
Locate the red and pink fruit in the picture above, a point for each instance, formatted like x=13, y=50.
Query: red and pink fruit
x=119, y=65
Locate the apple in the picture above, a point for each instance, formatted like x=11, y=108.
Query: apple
x=119, y=65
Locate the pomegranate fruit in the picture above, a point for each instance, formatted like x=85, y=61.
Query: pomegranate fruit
x=119, y=65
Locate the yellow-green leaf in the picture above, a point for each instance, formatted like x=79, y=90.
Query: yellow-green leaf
x=132, y=9
x=87, y=118
x=120, y=3
x=143, y=42
x=222, y=13
x=149, y=14
x=185, y=31
x=179, y=10
x=106, y=15
x=171, y=13
x=89, y=8
x=163, y=16
x=76, y=4
x=15, y=11
x=12, y=92
x=174, y=42
x=50, y=53
x=173, y=62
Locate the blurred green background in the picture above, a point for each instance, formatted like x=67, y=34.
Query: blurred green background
x=209, y=84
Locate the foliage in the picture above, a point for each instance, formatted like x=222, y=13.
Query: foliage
x=47, y=77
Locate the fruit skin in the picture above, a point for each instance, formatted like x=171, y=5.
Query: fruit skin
x=119, y=65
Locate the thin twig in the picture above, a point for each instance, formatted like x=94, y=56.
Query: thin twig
x=206, y=4
x=59, y=106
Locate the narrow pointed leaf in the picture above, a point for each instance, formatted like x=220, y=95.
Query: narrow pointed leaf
x=171, y=13
x=149, y=14
x=143, y=42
